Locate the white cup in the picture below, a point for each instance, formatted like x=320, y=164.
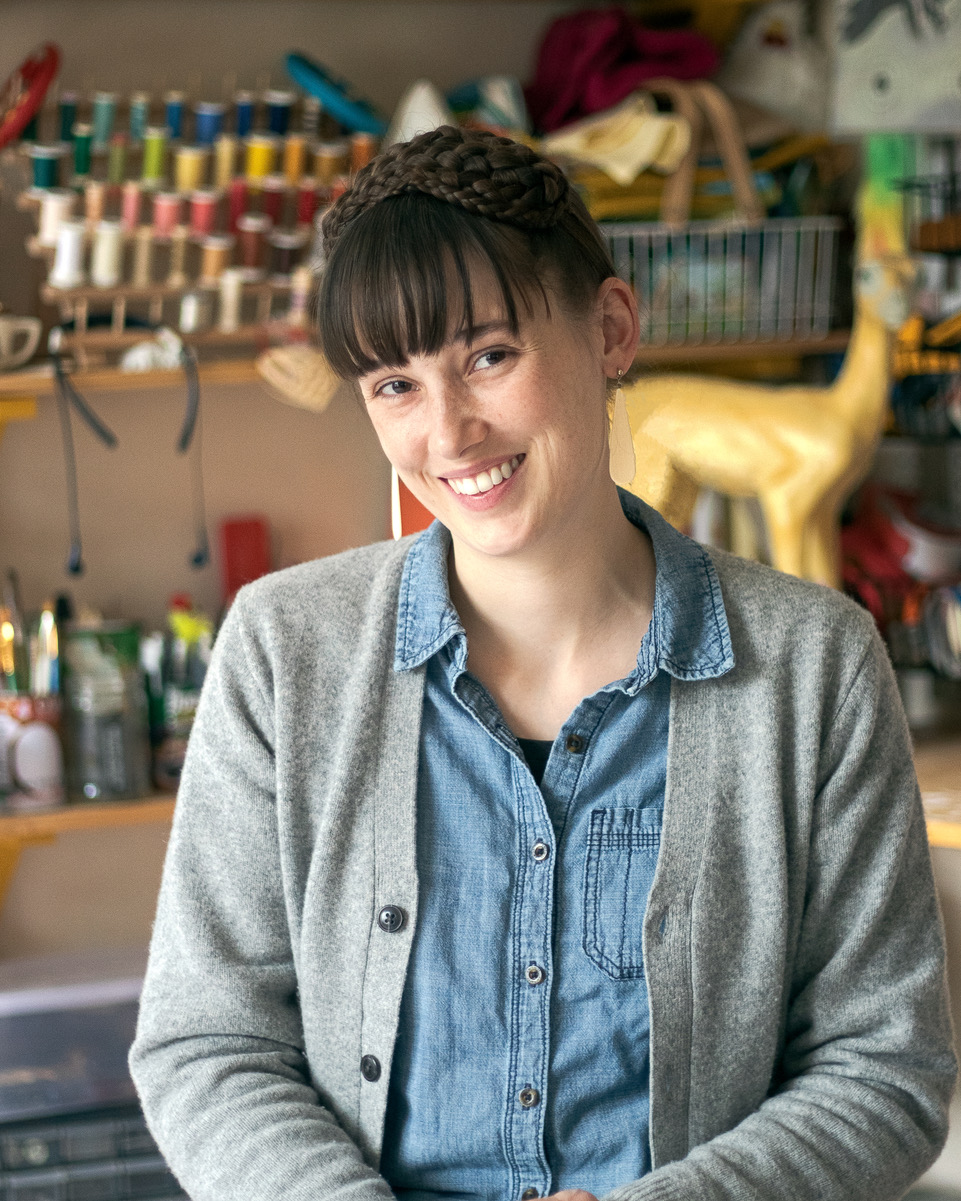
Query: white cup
x=19, y=338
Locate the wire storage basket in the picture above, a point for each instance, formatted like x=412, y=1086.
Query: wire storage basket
x=705, y=282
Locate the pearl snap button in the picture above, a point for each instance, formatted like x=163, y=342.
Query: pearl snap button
x=534, y=974
x=529, y=1097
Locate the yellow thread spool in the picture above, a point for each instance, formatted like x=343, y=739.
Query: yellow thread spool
x=295, y=158
x=190, y=168
x=225, y=159
x=261, y=156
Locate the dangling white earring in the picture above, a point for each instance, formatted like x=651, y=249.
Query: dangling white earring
x=623, y=464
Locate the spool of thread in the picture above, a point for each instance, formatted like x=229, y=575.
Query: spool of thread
x=208, y=121
x=231, y=298
x=194, y=312
x=306, y=201
x=225, y=160
x=363, y=147
x=104, y=111
x=330, y=160
x=286, y=250
x=143, y=257
x=215, y=252
x=117, y=159
x=279, y=105
x=107, y=255
x=245, y=111
x=82, y=141
x=130, y=205
x=139, y=115
x=174, y=114
x=252, y=231
x=272, y=198
x=68, y=261
x=310, y=117
x=177, y=277
x=295, y=157
x=45, y=165
x=261, y=156
x=301, y=282
x=94, y=200
x=236, y=203
x=29, y=133
x=67, y=110
x=190, y=168
x=56, y=206
x=166, y=214
x=340, y=185
x=203, y=213
x=154, y=155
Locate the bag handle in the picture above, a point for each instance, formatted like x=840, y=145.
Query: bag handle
x=679, y=185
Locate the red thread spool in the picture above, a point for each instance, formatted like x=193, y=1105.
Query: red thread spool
x=203, y=213
x=166, y=213
x=272, y=197
x=252, y=233
x=306, y=201
x=236, y=203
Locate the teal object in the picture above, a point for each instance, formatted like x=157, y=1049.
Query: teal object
x=104, y=110
x=68, y=114
x=82, y=140
x=335, y=95
x=46, y=165
x=139, y=115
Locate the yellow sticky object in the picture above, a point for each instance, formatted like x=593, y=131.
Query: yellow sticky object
x=189, y=627
x=626, y=140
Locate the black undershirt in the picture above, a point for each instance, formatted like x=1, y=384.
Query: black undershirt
x=536, y=751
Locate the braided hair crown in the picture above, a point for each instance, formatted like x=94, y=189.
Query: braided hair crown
x=481, y=172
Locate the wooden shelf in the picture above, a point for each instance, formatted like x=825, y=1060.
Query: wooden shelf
x=655, y=356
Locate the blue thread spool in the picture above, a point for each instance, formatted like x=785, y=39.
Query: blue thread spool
x=67, y=108
x=174, y=114
x=245, y=110
x=45, y=161
x=139, y=115
x=208, y=122
x=104, y=111
x=278, y=105
x=30, y=130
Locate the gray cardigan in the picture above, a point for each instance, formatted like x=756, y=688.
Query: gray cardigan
x=800, y=1044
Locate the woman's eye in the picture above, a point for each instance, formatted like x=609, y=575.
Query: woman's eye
x=490, y=358
x=394, y=387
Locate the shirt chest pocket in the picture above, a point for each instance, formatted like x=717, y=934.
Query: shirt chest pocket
x=622, y=850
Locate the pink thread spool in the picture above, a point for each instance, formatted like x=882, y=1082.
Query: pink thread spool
x=306, y=201
x=273, y=196
x=203, y=213
x=252, y=233
x=166, y=213
x=130, y=205
x=236, y=203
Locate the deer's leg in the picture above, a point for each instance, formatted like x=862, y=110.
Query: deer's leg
x=822, y=546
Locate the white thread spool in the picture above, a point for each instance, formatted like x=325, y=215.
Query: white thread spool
x=68, y=262
x=231, y=295
x=107, y=255
x=56, y=206
x=143, y=257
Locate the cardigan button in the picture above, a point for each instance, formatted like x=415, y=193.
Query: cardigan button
x=370, y=1068
x=391, y=918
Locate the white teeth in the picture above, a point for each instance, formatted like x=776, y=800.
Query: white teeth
x=506, y=471
x=469, y=487
x=497, y=476
x=485, y=480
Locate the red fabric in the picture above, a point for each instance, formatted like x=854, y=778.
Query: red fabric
x=591, y=60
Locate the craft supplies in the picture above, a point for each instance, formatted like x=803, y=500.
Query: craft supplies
x=286, y=249
x=130, y=205
x=295, y=157
x=215, y=252
x=225, y=160
x=190, y=168
x=310, y=117
x=340, y=185
x=195, y=312
x=45, y=165
x=244, y=113
x=166, y=213
x=208, y=121
x=174, y=114
x=107, y=254
x=236, y=203
x=154, y=155
x=139, y=115
x=117, y=159
x=203, y=213
x=261, y=154
x=82, y=141
x=272, y=197
x=330, y=160
x=306, y=200
x=279, y=105
x=56, y=206
x=177, y=276
x=231, y=297
x=67, y=115
x=252, y=233
x=104, y=111
x=363, y=147
x=143, y=251
x=94, y=200
x=31, y=753
x=67, y=269
x=301, y=282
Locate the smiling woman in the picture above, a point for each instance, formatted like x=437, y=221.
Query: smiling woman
x=547, y=853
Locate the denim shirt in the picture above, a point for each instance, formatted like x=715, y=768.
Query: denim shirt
x=522, y=1060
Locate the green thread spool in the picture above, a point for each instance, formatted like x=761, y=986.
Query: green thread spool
x=45, y=161
x=82, y=142
x=104, y=109
x=117, y=159
x=68, y=115
x=139, y=115
x=154, y=154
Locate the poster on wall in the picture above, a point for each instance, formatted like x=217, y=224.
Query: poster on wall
x=898, y=66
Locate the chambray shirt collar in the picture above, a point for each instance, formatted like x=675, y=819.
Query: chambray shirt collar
x=688, y=635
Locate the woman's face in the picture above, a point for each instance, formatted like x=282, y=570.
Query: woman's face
x=503, y=438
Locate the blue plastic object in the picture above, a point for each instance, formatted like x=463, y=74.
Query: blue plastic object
x=335, y=95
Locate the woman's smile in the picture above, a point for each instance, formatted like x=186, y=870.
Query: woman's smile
x=486, y=482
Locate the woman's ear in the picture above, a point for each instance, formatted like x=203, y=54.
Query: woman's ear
x=620, y=325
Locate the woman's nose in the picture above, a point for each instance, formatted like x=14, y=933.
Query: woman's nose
x=456, y=425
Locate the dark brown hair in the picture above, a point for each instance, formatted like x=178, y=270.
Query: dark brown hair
x=401, y=247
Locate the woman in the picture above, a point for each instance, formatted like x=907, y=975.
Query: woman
x=547, y=851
